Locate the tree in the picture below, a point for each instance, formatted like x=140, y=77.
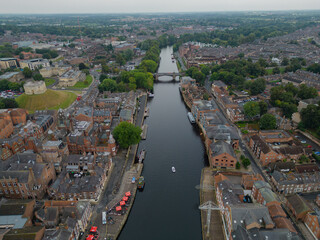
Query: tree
x=199, y=77
x=2, y=106
x=206, y=96
x=108, y=85
x=21, y=56
x=306, y=92
x=37, y=77
x=263, y=107
x=205, y=70
x=10, y=103
x=149, y=66
x=126, y=134
x=238, y=165
x=268, y=122
x=285, y=62
x=82, y=66
x=27, y=72
x=246, y=162
x=258, y=86
x=288, y=109
x=103, y=77
x=120, y=59
x=14, y=86
x=276, y=70
x=105, y=69
x=310, y=116
x=251, y=109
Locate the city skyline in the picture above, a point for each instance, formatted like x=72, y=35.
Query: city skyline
x=143, y=6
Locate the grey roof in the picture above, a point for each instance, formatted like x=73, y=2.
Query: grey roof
x=126, y=114
x=246, y=214
x=222, y=132
x=85, y=111
x=230, y=192
x=258, y=234
x=57, y=234
x=219, y=83
x=221, y=147
x=214, y=118
x=101, y=113
x=17, y=220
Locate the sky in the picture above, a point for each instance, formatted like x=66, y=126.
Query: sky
x=137, y=6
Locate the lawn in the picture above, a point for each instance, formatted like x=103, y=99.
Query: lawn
x=49, y=100
x=84, y=84
x=58, y=59
x=49, y=81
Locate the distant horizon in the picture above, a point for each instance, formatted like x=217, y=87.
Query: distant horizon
x=147, y=7
x=173, y=12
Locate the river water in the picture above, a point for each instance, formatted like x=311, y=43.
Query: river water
x=167, y=209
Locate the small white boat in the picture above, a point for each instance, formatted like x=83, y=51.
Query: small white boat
x=173, y=169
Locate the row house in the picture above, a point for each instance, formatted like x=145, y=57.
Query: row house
x=25, y=176
x=298, y=206
x=263, y=151
x=235, y=114
x=219, y=88
x=224, y=133
x=312, y=221
x=290, y=183
x=100, y=143
x=55, y=212
x=211, y=119
x=74, y=186
x=262, y=192
x=16, y=214
x=111, y=104
x=11, y=146
x=202, y=106
x=221, y=155
x=84, y=114
x=102, y=116
x=6, y=128
x=16, y=115
x=53, y=152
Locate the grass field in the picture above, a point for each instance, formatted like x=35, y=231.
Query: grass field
x=84, y=84
x=49, y=100
x=49, y=81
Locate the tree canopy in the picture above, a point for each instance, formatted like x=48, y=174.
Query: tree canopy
x=268, y=122
x=251, y=109
x=126, y=134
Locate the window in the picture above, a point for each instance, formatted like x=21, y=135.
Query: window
x=3, y=185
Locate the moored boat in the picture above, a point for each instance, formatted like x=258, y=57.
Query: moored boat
x=142, y=155
x=141, y=183
x=191, y=118
x=173, y=169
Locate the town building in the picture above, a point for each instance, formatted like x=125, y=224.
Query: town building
x=298, y=206
x=71, y=77
x=34, y=87
x=8, y=63
x=34, y=64
x=12, y=76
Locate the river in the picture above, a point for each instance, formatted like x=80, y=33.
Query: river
x=168, y=206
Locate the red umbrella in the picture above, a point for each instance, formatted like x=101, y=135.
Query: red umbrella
x=90, y=237
x=122, y=203
x=125, y=199
x=128, y=194
x=93, y=229
x=118, y=208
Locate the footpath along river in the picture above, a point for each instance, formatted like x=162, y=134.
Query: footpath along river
x=167, y=209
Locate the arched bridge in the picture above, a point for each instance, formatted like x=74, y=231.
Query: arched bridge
x=169, y=74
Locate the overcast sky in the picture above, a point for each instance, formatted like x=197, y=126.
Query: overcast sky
x=128, y=6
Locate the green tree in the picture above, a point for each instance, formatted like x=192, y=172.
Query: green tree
x=14, y=86
x=10, y=103
x=258, y=86
x=306, y=92
x=120, y=59
x=268, y=122
x=103, y=77
x=246, y=162
x=37, y=77
x=205, y=70
x=149, y=66
x=276, y=70
x=82, y=66
x=206, y=96
x=251, y=109
x=105, y=69
x=108, y=85
x=27, y=72
x=126, y=134
x=263, y=107
x=238, y=166
x=285, y=62
x=310, y=116
x=2, y=106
